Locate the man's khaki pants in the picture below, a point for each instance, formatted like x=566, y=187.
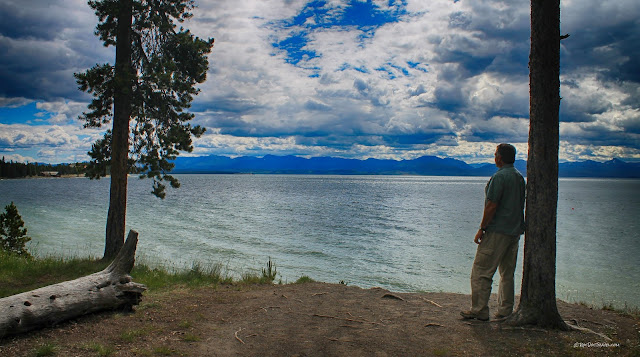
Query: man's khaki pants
x=496, y=250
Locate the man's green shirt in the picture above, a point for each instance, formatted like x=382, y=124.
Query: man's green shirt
x=507, y=188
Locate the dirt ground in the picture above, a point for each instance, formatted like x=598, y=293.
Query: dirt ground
x=319, y=319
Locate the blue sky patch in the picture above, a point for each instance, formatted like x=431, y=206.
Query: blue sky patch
x=391, y=74
x=295, y=48
x=346, y=66
x=26, y=114
x=418, y=66
x=317, y=15
x=393, y=70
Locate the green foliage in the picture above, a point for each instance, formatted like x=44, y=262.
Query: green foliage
x=167, y=64
x=13, y=234
x=252, y=278
x=46, y=349
x=132, y=335
x=304, y=279
x=190, y=337
x=100, y=157
x=10, y=169
x=99, y=349
x=267, y=277
x=198, y=275
x=163, y=351
x=19, y=273
x=269, y=274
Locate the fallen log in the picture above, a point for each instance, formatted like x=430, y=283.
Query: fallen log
x=109, y=289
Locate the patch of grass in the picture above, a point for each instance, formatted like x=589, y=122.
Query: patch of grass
x=131, y=335
x=267, y=277
x=252, y=278
x=146, y=306
x=440, y=352
x=46, y=349
x=163, y=351
x=626, y=310
x=582, y=303
x=190, y=338
x=141, y=352
x=304, y=279
x=100, y=349
x=631, y=311
x=184, y=324
x=160, y=278
x=20, y=273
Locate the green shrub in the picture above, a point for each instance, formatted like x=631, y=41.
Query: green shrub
x=46, y=349
x=13, y=235
x=304, y=279
x=269, y=274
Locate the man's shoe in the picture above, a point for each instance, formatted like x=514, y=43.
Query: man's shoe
x=500, y=317
x=468, y=315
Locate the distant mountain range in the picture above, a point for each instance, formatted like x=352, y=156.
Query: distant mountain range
x=425, y=165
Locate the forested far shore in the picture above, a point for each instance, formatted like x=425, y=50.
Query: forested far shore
x=11, y=169
x=272, y=164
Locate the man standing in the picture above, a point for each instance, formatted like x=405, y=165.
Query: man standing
x=498, y=237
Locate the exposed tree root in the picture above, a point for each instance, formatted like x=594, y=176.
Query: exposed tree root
x=238, y=338
x=588, y=330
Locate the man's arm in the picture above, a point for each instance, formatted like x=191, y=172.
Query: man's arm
x=489, y=211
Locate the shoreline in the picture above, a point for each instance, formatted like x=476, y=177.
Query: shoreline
x=171, y=268
x=43, y=177
x=320, y=319
x=204, y=313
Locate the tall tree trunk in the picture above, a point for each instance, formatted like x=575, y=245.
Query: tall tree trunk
x=120, y=134
x=538, y=297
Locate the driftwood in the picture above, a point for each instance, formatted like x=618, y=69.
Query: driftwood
x=109, y=289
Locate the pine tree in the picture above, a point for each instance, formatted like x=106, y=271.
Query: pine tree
x=13, y=234
x=538, y=296
x=152, y=83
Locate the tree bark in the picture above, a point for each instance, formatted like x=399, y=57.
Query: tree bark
x=109, y=289
x=538, y=296
x=120, y=134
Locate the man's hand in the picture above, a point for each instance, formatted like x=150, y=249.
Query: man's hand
x=489, y=211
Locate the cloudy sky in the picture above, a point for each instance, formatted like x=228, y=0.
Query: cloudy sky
x=344, y=78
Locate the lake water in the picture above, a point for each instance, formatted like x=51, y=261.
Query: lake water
x=403, y=233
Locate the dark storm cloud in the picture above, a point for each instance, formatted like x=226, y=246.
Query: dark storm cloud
x=449, y=98
x=42, y=43
x=583, y=111
x=632, y=126
x=30, y=20
x=602, y=135
x=611, y=48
